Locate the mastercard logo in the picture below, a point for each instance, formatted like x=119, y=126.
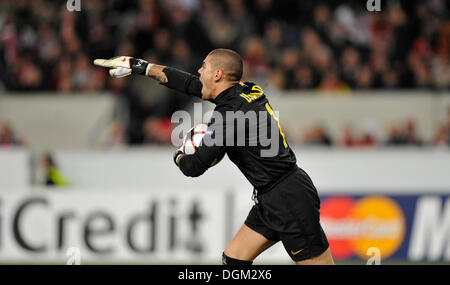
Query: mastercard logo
x=354, y=225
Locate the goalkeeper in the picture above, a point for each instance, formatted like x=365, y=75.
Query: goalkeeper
x=286, y=202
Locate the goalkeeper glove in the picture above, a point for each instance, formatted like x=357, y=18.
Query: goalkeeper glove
x=177, y=153
x=121, y=66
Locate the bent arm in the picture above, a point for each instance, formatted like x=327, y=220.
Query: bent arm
x=196, y=164
x=176, y=79
x=210, y=151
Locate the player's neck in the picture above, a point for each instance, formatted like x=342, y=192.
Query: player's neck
x=222, y=87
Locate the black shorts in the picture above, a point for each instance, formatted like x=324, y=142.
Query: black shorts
x=290, y=212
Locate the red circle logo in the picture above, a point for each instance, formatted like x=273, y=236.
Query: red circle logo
x=352, y=226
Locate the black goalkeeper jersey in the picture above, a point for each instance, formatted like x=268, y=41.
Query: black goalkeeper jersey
x=243, y=126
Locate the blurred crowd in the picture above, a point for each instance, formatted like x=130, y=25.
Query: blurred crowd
x=334, y=46
x=368, y=134
x=331, y=45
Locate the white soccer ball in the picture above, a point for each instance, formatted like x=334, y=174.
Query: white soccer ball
x=193, y=138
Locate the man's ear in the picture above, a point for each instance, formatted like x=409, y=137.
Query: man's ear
x=218, y=74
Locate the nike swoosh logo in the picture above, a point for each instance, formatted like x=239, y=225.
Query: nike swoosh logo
x=296, y=252
x=124, y=59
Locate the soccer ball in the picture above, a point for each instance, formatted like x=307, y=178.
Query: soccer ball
x=193, y=138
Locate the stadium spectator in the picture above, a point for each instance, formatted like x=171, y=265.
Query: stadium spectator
x=347, y=138
x=29, y=76
x=367, y=140
x=255, y=59
x=53, y=175
x=85, y=76
x=364, y=78
x=61, y=76
x=161, y=44
x=8, y=137
x=350, y=65
x=274, y=41
x=368, y=133
x=304, y=77
x=289, y=61
x=395, y=136
x=241, y=21
x=332, y=83
x=442, y=136
x=390, y=79
x=316, y=135
x=411, y=135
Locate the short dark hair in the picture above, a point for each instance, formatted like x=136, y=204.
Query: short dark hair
x=229, y=61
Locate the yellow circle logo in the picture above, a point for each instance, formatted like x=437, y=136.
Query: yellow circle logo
x=380, y=223
x=353, y=225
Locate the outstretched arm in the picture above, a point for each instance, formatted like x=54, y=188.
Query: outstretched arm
x=175, y=79
x=170, y=77
x=156, y=72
